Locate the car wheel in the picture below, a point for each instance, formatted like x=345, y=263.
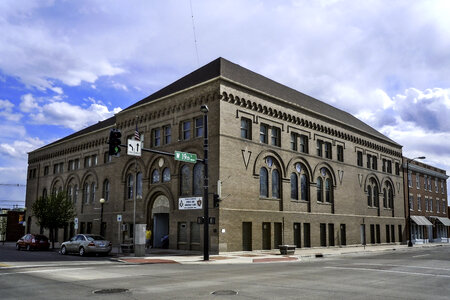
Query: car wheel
x=17, y=247
x=63, y=250
x=82, y=252
x=28, y=248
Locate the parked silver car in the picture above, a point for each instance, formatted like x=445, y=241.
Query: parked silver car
x=86, y=243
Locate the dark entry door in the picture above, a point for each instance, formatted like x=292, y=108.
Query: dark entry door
x=266, y=236
x=278, y=232
x=297, y=235
x=160, y=229
x=343, y=235
x=247, y=236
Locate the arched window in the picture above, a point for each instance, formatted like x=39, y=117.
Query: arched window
x=186, y=181
x=376, y=198
x=106, y=190
x=275, y=184
x=198, y=179
x=130, y=185
x=391, y=197
x=319, y=190
x=70, y=193
x=304, y=187
x=369, y=196
x=263, y=182
x=93, y=188
x=75, y=194
x=44, y=193
x=86, y=193
x=166, y=175
x=384, y=198
x=328, y=191
x=294, y=186
x=139, y=184
x=155, y=176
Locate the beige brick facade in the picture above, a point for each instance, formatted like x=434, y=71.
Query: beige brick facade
x=245, y=219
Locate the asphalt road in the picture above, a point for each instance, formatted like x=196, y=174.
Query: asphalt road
x=408, y=274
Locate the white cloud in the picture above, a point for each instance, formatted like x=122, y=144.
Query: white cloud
x=19, y=148
x=6, y=111
x=28, y=103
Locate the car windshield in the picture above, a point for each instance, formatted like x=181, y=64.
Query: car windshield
x=41, y=237
x=95, y=238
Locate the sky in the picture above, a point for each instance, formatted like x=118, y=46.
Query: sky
x=65, y=65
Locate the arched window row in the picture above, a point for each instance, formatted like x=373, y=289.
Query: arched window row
x=269, y=176
x=299, y=183
x=324, y=186
x=373, y=194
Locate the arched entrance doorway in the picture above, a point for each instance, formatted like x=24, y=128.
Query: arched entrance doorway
x=159, y=218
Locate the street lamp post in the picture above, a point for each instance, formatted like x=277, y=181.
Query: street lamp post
x=204, y=109
x=102, y=201
x=410, y=244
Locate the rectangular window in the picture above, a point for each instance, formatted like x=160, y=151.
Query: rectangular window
x=87, y=162
x=319, y=147
x=106, y=158
x=328, y=150
x=442, y=186
x=409, y=179
x=444, y=206
x=304, y=144
x=429, y=183
x=397, y=168
x=276, y=137
x=436, y=189
x=426, y=203
x=94, y=160
x=246, y=127
x=411, y=203
x=368, y=161
x=417, y=181
x=186, y=130
x=294, y=137
x=359, y=158
x=45, y=170
x=263, y=131
x=167, y=134
x=70, y=165
x=199, y=127
x=55, y=168
x=438, y=207
x=340, y=153
x=389, y=166
x=156, y=137
x=384, y=165
x=430, y=203
x=419, y=202
x=425, y=182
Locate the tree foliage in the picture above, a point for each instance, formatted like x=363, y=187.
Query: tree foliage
x=53, y=212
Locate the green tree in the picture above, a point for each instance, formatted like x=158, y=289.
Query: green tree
x=53, y=212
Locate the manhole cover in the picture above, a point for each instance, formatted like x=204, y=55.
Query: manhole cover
x=224, y=293
x=110, y=291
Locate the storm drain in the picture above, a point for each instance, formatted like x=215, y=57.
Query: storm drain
x=225, y=293
x=110, y=291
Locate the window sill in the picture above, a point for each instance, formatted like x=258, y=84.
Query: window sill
x=299, y=201
x=323, y=203
x=270, y=199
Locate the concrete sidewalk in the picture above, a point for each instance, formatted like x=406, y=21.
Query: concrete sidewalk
x=159, y=256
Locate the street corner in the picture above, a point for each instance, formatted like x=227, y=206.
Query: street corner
x=140, y=261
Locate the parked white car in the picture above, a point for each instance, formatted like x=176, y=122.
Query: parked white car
x=85, y=244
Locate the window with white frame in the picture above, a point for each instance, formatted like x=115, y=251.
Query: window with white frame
x=430, y=203
x=411, y=204
x=409, y=179
x=438, y=207
x=417, y=180
x=436, y=188
x=419, y=202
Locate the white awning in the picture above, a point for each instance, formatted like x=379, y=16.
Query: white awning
x=421, y=220
x=445, y=221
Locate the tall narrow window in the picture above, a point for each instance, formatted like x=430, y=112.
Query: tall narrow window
x=263, y=131
x=246, y=128
x=93, y=188
x=409, y=179
x=199, y=127
x=263, y=183
x=276, y=137
x=419, y=202
x=155, y=176
x=186, y=130
x=359, y=158
x=86, y=193
x=156, y=137
x=369, y=195
x=417, y=180
x=384, y=198
x=340, y=153
x=319, y=190
x=304, y=187
x=319, y=147
x=294, y=141
x=198, y=179
x=275, y=184
x=304, y=144
x=368, y=161
x=374, y=163
x=75, y=194
x=139, y=184
x=166, y=175
x=106, y=190
x=294, y=186
x=328, y=150
x=186, y=181
x=328, y=191
x=167, y=134
x=130, y=185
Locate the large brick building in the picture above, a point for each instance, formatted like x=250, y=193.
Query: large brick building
x=427, y=186
x=294, y=170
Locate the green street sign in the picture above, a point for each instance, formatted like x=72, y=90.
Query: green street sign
x=186, y=157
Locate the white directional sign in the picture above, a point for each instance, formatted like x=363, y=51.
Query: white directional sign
x=75, y=223
x=190, y=203
x=134, y=147
x=119, y=218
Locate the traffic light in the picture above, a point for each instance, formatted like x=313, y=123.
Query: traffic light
x=216, y=200
x=114, y=142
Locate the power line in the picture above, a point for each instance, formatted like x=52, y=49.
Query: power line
x=195, y=37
